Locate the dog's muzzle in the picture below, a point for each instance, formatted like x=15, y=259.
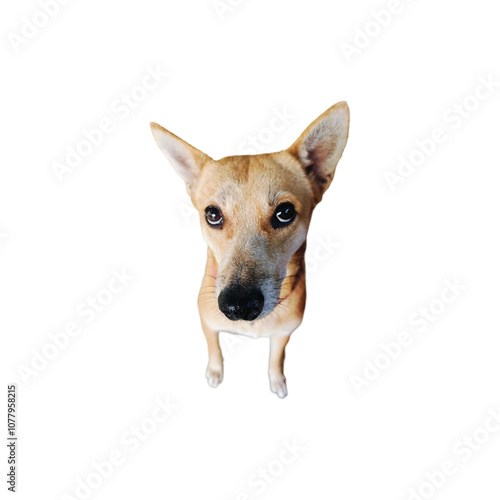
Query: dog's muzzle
x=238, y=302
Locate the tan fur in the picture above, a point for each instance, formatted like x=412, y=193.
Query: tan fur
x=248, y=249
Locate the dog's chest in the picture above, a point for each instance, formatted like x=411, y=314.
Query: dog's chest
x=269, y=326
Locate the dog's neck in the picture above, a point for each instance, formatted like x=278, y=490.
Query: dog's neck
x=295, y=273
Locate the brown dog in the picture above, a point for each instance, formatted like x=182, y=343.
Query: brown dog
x=255, y=213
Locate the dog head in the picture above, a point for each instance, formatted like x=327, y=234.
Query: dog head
x=255, y=210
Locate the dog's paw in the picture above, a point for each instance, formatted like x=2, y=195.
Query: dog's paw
x=278, y=386
x=214, y=376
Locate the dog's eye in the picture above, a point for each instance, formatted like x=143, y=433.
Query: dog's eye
x=283, y=215
x=214, y=216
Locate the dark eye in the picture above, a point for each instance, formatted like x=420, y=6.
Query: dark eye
x=283, y=215
x=214, y=216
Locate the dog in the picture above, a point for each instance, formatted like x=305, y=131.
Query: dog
x=255, y=212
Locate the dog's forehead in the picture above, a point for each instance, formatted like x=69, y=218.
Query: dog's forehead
x=263, y=179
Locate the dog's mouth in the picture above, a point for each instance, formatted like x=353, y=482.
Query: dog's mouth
x=249, y=302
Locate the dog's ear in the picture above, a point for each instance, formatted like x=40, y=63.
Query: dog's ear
x=321, y=145
x=186, y=159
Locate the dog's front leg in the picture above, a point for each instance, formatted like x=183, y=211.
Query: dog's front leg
x=277, y=379
x=215, y=368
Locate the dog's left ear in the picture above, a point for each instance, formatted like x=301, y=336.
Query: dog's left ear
x=321, y=145
x=186, y=159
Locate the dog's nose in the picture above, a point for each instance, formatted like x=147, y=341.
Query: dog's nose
x=237, y=302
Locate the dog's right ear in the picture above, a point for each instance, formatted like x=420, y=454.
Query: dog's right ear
x=186, y=159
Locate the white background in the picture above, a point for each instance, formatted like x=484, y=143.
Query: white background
x=124, y=207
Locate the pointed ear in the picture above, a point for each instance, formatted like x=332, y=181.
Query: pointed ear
x=321, y=145
x=186, y=159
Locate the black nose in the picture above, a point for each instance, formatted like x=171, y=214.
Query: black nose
x=238, y=302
